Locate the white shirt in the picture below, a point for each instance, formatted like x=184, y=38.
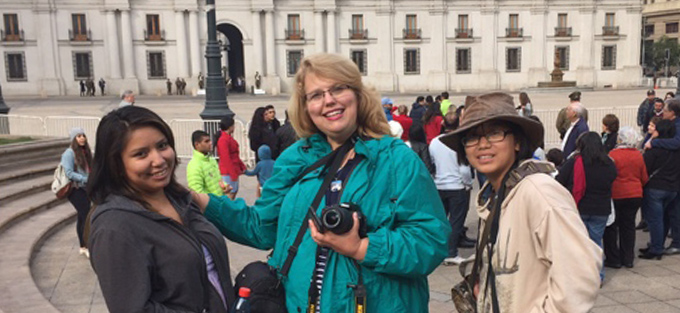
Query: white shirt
x=449, y=174
x=566, y=135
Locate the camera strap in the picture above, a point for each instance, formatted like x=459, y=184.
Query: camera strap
x=335, y=159
x=359, y=288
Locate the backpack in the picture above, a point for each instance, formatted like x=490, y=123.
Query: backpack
x=267, y=294
x=61, y=185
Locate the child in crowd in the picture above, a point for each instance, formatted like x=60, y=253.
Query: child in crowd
x=264, y=168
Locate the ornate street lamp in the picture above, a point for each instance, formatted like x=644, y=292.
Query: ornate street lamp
x=216, y=106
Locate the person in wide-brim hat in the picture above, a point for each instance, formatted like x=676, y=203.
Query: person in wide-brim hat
x=491, y=107
x=539, y=228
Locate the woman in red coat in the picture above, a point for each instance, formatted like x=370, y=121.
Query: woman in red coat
x=619, y=238
x=432, y=122
x=231, y=166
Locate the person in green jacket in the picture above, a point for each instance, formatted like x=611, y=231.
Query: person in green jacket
x=446, y=103
x=407, y=230
x=203, y=173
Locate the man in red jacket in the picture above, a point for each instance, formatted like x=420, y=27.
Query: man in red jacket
x=402, y=118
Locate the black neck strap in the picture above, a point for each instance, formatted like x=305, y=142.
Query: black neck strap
x=335, y=159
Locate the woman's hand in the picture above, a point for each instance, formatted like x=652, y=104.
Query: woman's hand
x=201, y=199
x=348, y=244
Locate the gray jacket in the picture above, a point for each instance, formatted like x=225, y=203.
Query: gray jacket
x=146, y=262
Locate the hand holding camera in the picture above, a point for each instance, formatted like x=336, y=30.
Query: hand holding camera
x=341, y=228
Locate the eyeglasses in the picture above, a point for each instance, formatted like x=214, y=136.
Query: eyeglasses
x=336, y=91
x=492, y=137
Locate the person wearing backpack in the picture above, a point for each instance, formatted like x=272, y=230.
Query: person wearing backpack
x=394, y=231
x=77, y=162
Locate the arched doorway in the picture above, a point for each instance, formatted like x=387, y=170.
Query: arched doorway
x=234, y=64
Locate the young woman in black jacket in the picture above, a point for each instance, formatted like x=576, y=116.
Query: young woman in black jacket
x=262, y=130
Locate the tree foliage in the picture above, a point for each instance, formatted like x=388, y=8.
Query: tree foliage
x=656, y=54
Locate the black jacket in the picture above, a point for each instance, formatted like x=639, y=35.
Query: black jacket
x=610, y=142
x=667, y=162
x=146, y=262
x=599, y=179
x=286, y=136
x=265, y=135
x=423, y=152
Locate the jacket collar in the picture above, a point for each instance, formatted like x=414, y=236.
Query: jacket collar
x=198, y=155
x=317, y=147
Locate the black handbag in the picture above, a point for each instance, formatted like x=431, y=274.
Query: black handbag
x=267, y=294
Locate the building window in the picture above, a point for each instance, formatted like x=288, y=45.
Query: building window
x=82, y=65
x=155, y=64
x=463, y=64
x=563, y=55
x=12, y=32
x=609, y=20
x=562, y=20
x=359, y=58
x=294, y=57
x=153, y=28
x=513, y=29
x=671, y=28
x=463, y=30
x=411, y=31
x=358, y=31
x=649, y=30
x=15, y=66
x=79, y=32
x=608, y=57
x=411, y=61
x=513, y=59
x=294, y=30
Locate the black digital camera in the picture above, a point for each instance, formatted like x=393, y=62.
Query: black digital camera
x=338, y=219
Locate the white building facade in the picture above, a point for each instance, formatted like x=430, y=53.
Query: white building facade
x=400, y=46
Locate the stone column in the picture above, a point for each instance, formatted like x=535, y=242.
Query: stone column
x=489, y=77
x=270, y=46
x=585, y=71
x=539, y=69
x=127, y=46
x=194, y=44
x=112, y=42
x=332, y=38
x=257, y=42
x=632, y=71
x=50, y=82
x=436, y=74
x=319, y=41
x=182, y=60
x=385, y=78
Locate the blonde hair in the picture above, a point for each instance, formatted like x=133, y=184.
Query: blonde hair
x=371, y=120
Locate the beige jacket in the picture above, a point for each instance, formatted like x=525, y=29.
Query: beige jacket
x=543, y=258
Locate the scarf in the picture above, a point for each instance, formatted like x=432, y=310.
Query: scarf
x=579, y=189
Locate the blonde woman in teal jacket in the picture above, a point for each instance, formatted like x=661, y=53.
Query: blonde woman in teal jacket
x=407, y=228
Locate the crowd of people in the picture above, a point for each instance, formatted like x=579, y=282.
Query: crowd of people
x=399, y=180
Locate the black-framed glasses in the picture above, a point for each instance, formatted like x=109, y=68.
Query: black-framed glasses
x=471, y=140
x=336, y=91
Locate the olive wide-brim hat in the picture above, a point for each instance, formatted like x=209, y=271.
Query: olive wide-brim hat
x=495, y=106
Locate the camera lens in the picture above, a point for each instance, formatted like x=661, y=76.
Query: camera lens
x=332, y=219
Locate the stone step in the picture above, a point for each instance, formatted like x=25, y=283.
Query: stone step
x=18, y=291
x=25, y=187
x=19, y=152
x=37, y=169
x=30, y=162
x=15, y=211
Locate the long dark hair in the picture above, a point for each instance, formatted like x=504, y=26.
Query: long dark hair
x=524, y=98
x=257, y=122
x=83, y=154
x=108, y=172
x=430, y=113
x=591, y=149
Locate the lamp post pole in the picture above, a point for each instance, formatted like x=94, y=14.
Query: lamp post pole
x=4, y=110
x=216, y=106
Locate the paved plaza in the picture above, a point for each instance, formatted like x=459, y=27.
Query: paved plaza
x=68, y=282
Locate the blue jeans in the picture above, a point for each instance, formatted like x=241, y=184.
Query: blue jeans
x=232, y=183
x=595, y=225
x=654, y=203
x=456, y=204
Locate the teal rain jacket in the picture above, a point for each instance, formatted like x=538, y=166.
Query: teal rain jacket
x=407, y=227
